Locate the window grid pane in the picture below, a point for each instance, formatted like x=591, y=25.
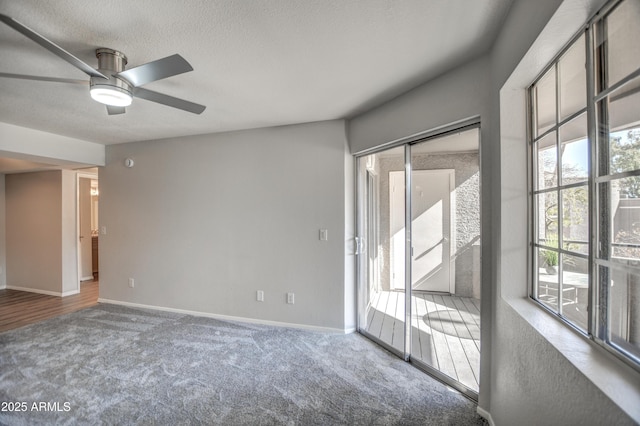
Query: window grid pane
x=545, y=102
x=547, y=203
x=575, y=290
x=575, y=219
x=547, y=162
x=572, y=77
x=624, y=215
x=623, y=41
x=574, y=149
x=624, y=310
x=547, y=278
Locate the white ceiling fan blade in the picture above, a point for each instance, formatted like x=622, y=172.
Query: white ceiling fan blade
x=156, y=70
x=168, y=100
x=41, y=78
x=51, y=46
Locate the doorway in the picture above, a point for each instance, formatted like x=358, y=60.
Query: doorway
x=431, y=222
x=88, y=198
x=419, y=254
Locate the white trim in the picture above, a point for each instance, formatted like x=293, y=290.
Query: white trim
x=424, y=134
x=452, y=218
x=81, y=175
x=229, y=317
x=485, y=415
x=47, y=292
x=452, y=230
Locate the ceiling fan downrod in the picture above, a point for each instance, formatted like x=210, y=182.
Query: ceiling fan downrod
x=113, y=91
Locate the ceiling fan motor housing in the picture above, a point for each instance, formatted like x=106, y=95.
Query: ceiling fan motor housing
x=111, y=62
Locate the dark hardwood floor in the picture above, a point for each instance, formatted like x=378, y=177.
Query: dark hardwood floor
x=20, y=308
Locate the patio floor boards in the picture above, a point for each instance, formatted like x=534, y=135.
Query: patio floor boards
x=445, y=331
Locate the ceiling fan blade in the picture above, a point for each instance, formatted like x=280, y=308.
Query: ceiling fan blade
x=168, y=100
x=156, y=70
x=115, y=110
x=41, y=78
x=51, y=46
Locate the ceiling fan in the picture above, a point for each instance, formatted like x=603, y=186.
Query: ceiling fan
x=110, y=83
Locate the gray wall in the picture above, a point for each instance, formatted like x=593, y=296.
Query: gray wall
x=527, y=377
x=201, y=223
x=455, y=96
x=34, y=231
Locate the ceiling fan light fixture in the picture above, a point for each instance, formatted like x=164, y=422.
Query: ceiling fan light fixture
x=111, y=95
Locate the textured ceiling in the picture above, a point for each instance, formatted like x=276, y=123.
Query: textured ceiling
x=256, y=63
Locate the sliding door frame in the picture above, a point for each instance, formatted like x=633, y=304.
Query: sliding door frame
x=361, y=252
x=408, y=251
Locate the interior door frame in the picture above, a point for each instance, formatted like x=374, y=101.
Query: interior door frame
x=452, y=224
x=80, y=175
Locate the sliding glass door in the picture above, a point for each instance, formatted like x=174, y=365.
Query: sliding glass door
x=419, y=254
x=381, y=247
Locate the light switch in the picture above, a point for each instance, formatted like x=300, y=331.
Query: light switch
x=103, y=230
x=324, y=235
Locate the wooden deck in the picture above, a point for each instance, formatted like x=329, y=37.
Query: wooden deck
x=20, y=308
x=445, y=331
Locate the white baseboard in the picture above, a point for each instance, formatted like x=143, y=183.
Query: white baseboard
x=485, y=415
x=47, y=292
x=228, y=317
x=87, y=278
x=35, y=290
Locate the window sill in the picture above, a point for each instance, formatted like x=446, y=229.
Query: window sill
x=618, y=381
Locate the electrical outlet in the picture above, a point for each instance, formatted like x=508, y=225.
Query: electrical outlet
x=103, y=230
x=290, y=298
x=260, y=296
x=132, y=282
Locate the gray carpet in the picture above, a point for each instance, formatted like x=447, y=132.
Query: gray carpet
x=116, y=365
